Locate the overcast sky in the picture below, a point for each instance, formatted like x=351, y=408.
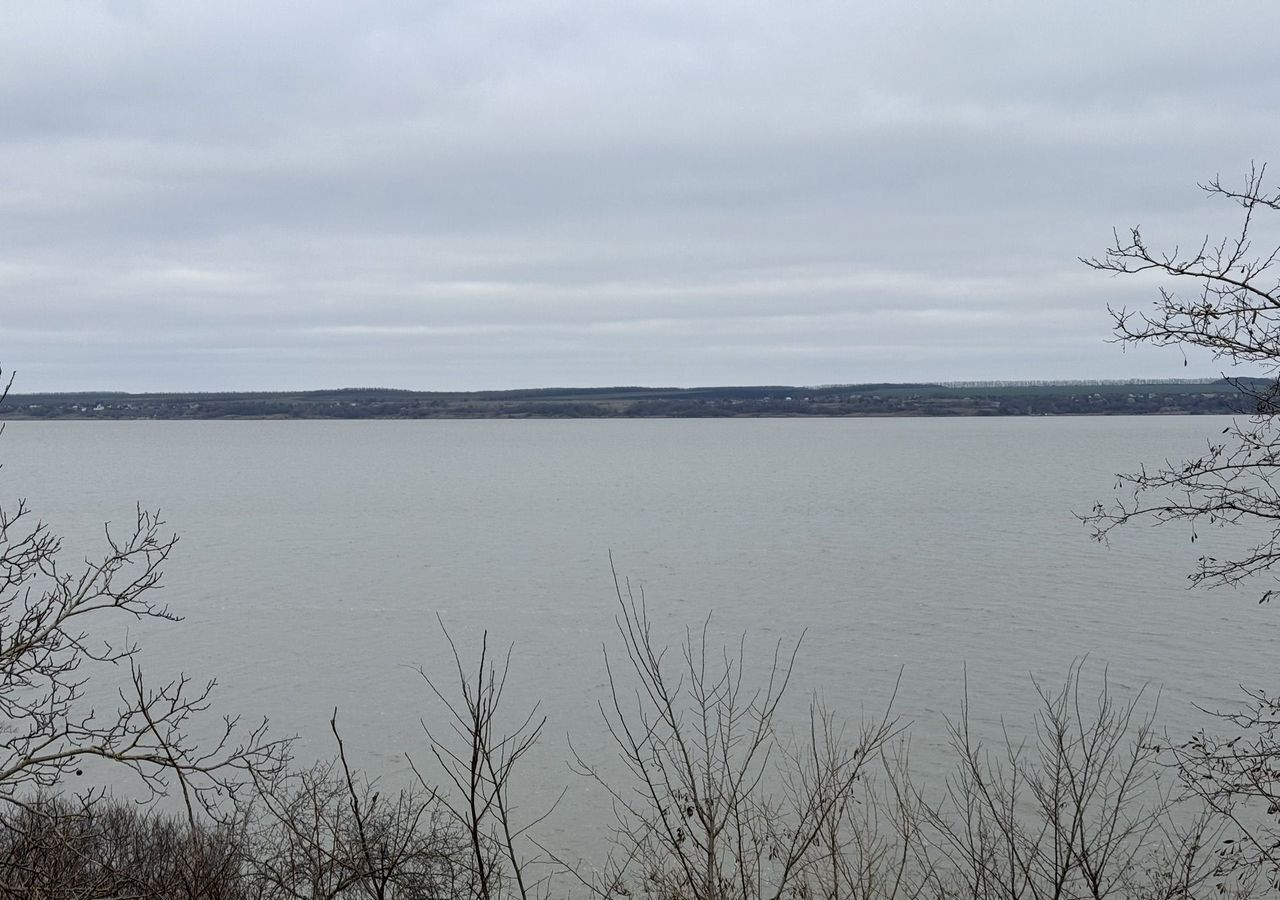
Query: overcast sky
x=455, y=195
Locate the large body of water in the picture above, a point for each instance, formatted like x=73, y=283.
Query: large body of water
x=315, y=557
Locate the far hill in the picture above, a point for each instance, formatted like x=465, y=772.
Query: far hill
x=990, y=398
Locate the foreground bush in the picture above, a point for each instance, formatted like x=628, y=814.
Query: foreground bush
x=716, y=806
x=305, y=839
x=327, y=833
x=62, y=850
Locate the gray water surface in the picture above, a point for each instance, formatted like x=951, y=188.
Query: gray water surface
x=315, y=557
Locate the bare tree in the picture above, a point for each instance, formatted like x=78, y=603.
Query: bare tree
x=297, y=835
x=329, y=833
x=1078, y=811
x=1232, y=309
x=1222, y=296
x=871, y=844
x=1237, y=775
x=479, y=761
x=718, y=803
x=53, y=643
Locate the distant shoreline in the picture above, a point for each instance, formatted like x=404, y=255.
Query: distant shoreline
x=956, y=399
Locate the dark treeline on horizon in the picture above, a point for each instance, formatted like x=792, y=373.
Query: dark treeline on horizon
x=1100, y=397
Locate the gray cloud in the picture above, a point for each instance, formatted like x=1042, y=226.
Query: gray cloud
x=468, y=195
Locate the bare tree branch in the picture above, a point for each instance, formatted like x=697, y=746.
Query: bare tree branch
x=1231, y=307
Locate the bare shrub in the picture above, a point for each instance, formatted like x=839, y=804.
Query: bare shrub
x=1237, y=775
x=52, y=645
x=479, y=758
x=57, y=849
x=48, y=653
x=1082, y=808
x=329, y=833
x=718, y=803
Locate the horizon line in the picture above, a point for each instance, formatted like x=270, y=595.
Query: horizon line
x=963, y=383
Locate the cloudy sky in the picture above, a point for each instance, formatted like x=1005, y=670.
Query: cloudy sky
x=454, y=195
